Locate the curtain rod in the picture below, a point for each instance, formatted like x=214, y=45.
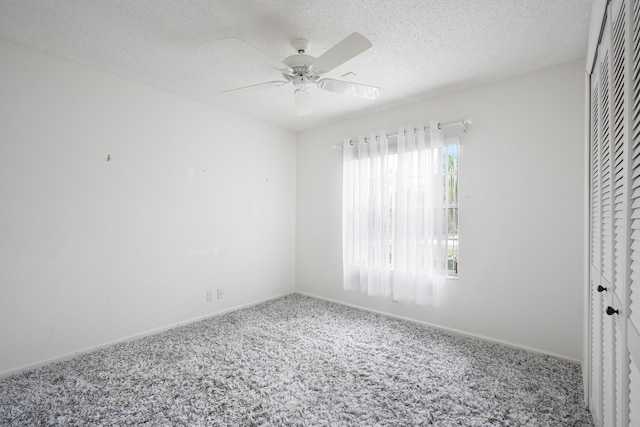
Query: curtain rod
x=462, y=123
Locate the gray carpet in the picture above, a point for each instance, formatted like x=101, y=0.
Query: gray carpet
x=299, y=361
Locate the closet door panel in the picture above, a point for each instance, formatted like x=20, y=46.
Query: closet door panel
x=614, y=230
x=607, y=240
x=597, y=287
x=634, y=130
x=633, y=321
x=620, y=148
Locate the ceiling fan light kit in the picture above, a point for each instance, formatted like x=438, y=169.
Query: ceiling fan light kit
x=303, y=101
x=302, y=70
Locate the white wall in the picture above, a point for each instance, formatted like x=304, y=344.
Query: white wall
x=195, y=198
x=521, y=211
x=93, y=251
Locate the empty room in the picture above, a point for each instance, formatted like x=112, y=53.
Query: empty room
x=355, y=213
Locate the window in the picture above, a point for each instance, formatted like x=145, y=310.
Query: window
x=452, y=233
x=449, y=206
x=400, y=213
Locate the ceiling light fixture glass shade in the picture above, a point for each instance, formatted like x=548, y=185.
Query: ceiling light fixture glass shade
x=303, y=101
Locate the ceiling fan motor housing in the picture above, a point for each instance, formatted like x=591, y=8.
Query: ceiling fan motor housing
x=302, y=73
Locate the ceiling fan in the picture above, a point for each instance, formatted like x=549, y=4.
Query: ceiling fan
x=303, y=70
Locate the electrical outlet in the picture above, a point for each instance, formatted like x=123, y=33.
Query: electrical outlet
x=220, y=293
x=209, y=295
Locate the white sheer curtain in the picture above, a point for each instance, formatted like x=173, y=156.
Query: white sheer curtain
x=394, y=222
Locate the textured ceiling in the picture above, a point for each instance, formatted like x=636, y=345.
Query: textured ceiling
x=419, y=47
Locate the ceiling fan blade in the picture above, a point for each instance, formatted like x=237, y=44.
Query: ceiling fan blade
x=348, y=48
x=259, y=86
x=303, y=102
x=256, y=53
x=348, y=88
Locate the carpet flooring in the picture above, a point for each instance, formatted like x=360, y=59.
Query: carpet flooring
x=299, y=361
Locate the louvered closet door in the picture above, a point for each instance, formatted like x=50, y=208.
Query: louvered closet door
x=614, y=374
x=633, y=323
x=596, y=253
x=617, y=299
x=603, y=350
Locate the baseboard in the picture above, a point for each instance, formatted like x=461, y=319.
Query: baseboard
x=147, y=333
x=446, y=329
x=253, y=303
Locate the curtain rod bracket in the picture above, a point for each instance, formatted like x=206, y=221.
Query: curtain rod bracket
x=465, y=122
